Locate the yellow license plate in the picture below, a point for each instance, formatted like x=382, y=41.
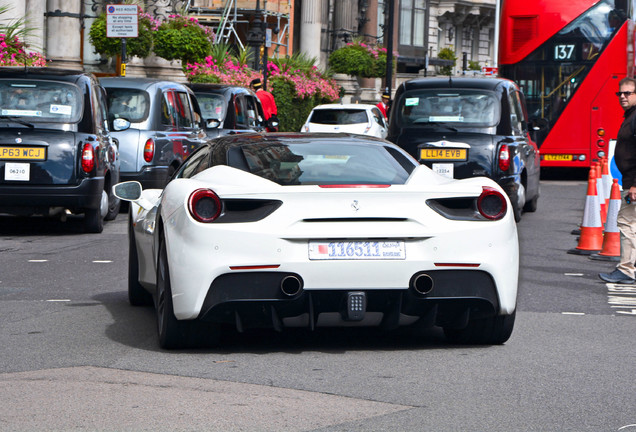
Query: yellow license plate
x=442, y=154
x=557, y=157
x=22, y=153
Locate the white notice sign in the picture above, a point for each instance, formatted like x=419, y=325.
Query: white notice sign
x=122, y=21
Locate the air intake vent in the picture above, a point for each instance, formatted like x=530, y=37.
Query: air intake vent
x=524, y=29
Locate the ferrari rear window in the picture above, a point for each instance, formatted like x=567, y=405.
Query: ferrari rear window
x=320, y=163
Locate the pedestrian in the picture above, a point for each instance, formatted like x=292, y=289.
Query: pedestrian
x=625, y=157
x=385, y=104
x=268, y=103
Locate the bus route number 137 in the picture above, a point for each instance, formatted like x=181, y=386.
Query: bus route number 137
x=564, y=52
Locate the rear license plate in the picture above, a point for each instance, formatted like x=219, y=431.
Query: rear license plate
x=17, y=171
x=557, y=157
x=442, y=154
x=22, y=153
x=357, y=250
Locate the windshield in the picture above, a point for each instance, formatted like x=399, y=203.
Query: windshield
x=131, y=104
x=459, y=107
x=40, y=101
x=323, y=163
x=339, y=116
x=212, y=105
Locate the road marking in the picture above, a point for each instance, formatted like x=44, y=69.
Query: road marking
x=622, y=296
x=102, y=261
x=572, y=313
x=58, y=300
x=574, y=274
x=38, y=261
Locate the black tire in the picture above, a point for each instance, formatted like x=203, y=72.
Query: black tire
x=93, y=219
x=516, y=207
x=487, y=331
x=114, y=205
x=137, y=295
x=532, y=205
x=173, y=334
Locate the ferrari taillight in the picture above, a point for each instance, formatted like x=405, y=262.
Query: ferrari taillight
x=504, y=157
x=204, y=205
x=491, y=204
x=149, y=150
x=88, y=158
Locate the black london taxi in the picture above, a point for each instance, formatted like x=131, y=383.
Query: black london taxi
x=56, y=152
x=467, y=127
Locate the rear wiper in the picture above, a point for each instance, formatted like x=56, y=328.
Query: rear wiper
x=433, y=124
x=17, y=120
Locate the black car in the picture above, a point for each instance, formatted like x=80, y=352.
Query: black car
x=228, y=109
x=56, y=152
x=467, y=127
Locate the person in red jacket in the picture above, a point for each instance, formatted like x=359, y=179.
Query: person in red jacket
x=269, y=105
x=385, y=104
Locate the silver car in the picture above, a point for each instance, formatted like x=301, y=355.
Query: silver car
x=165, y=126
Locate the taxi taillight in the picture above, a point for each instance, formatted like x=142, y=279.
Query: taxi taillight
x=149, y=150
x=504, y=157
x=88, y=158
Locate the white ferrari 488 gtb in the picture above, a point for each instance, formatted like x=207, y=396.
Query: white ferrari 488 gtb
x=310, y=230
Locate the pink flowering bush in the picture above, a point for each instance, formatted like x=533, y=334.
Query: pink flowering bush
x=13, y=53
x=296, y=87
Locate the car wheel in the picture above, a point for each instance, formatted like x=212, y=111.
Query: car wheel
x=531, y=206
x=489, y=331
x=172, y=332
x=137, y=295
x=94, y=218
x=114, y=205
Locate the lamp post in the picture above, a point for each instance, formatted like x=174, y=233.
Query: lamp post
x=389, y=45
x=256, y=36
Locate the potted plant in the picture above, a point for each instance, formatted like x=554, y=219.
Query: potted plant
x=183, y=38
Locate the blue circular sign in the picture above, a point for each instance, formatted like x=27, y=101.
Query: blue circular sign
x=111, y=9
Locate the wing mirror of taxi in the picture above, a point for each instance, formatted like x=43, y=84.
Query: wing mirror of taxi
x=212, y=123
x=120, y=124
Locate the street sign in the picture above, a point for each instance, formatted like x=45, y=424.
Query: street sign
x=122, y=21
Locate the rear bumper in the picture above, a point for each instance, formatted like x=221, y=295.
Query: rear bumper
x=21, y=198
x=455, y=297
x=151, y=177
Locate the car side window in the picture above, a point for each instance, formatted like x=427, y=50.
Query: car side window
x=252, y=112
x=241, y=114
x=196, y=163
x=516, y=115
x=379, y=118
x=168, y=111
x=184, y=111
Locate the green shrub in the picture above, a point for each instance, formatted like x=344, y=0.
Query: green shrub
x=360, y=60
x=182, y=38
x=292, y=111
x=447, y=54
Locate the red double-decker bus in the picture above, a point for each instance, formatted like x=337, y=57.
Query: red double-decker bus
x=568, y=57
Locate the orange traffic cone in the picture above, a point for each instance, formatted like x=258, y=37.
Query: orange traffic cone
x=611, y=250
x=607, y=180
x=591, y=239
x=600, y=191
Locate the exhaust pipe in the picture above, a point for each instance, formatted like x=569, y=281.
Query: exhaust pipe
x=291, y=285
x=422, y=283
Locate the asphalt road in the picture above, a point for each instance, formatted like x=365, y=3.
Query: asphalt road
x=76, y=356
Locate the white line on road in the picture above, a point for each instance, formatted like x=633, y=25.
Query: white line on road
x=572, y=313
x=58, y=300
x=38, y=261
x=102, y=261
x=573, y=274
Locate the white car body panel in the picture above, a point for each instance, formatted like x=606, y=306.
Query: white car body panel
x=198, y=253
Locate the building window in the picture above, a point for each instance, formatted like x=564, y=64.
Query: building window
x=412, y=22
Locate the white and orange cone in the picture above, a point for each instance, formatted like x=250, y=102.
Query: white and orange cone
x=591, y=239
x=611, y=250
x=600, y=191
